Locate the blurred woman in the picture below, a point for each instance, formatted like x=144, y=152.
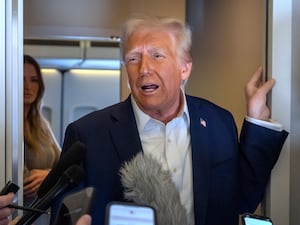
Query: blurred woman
x=41, y=148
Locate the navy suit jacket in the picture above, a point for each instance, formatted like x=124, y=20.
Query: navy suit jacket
x=229, y=175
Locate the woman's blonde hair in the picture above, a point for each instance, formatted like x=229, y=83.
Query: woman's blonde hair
x=37, y=132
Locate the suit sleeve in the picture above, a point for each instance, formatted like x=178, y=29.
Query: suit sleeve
x=260, y=148
x=71, y=136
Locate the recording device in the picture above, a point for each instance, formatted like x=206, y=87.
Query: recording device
x=13, y=206
x=70, y=178
x=121, y=213
x=73, y=156
x=56, y=183
x=252, y=219
x=65, y=175
x=146, y=183
x=74, y=206
x=9, y=187
x=12, y=187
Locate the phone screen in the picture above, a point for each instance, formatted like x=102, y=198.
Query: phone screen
x=256, y=220
x=119, y=213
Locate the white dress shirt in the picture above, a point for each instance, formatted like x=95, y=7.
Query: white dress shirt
x=170, y=145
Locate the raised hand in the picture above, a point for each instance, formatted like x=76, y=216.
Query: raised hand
x=256, y=92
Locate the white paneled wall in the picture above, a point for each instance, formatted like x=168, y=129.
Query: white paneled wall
x=88, y=90
x=51, y=106
x=73, y=94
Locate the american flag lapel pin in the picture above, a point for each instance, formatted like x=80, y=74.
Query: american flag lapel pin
x=202, y=122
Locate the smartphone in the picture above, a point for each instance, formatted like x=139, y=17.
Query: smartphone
x=252, y=219
x=122, y=213
x=9, y=187
x=74, y=206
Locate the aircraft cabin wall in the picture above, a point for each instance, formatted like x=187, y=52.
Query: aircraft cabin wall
x=80, y=54
x=72, y=94
x=80, y=77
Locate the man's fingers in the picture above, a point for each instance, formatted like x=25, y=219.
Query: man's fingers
x=267, y=86
x=6, y=199
x=256, y=77
x=256, y=84
x=84, y=220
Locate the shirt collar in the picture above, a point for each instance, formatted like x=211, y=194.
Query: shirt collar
x=142, y=118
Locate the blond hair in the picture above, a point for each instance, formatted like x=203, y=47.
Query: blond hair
x=180, y=31
x=37, y=132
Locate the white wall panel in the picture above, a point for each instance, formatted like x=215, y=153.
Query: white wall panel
x=280, y=67
x=85, y=91
x=13, y=105
x=51, y=106
x=2, y=94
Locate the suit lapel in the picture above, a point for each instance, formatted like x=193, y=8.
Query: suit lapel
x=124, y=132
x=200, y=159
x=125, y=135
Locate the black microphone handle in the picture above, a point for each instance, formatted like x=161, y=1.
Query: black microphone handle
x=13, y=206
x=61, y=187
x=42, y=204
x=73, y=156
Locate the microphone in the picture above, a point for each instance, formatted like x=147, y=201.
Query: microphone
x=147, y=183
x=13, y=206
x=74, y=155
x=70, y=178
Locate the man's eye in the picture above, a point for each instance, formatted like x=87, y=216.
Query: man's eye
x=131, y=59
x=158, y=56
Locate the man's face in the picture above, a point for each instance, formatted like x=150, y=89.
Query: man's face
x=155, y=72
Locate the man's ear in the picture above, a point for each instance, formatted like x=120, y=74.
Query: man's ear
x=186, y=70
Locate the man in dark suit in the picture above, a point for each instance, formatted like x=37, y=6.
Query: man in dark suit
x=217, y=174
